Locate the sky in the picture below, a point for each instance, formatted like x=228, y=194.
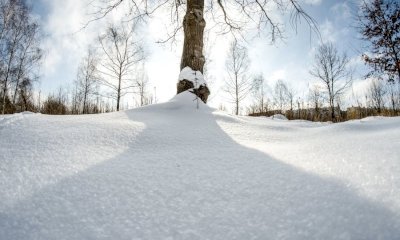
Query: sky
x=290, y=59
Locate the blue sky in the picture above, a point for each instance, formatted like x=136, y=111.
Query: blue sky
x=289, y=60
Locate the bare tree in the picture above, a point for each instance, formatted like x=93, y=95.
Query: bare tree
x=28, y=59
x=87, y=79
x=393, y=90
x=20, y=53
x=377, y=92
x=281, y=95
x=142, y=85
x=290, y=94
x=226, y=16
x=122, y=53
x=331, y=68
x=13, y=34
x=76, y=99
x=237, y=82
x=379, y=24
x=315, y=96
x=259, y=93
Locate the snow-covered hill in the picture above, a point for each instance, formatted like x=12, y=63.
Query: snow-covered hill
x=170, y=171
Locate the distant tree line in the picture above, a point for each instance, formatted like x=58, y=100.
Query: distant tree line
x=381, y=98
x=325, y=99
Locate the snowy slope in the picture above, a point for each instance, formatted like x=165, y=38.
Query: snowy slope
x=170, y=171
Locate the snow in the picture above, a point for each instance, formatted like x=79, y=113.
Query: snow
x=196, y=77
x=278, y=117
x=171, y=171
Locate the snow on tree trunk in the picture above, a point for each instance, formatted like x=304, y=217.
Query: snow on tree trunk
x=192, y=55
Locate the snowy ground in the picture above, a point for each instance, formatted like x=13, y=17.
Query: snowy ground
x=170, y=171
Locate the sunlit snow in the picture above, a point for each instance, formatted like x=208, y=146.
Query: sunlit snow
x=171, y=171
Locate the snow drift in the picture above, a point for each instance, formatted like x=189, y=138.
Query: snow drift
x=170, y=171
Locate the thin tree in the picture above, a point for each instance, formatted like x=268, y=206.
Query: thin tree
x=233, y=16
x=121, y=53
x=290, y=94
x=377, y=92
x=393, y=90
x=28, y=59
x=76, y=99
x=315, y=97
x=259, y=93
x=87, y=79
x=281, y=95
x=142, y=85
x=237, y=82
x=331, y=68
x=379, y=24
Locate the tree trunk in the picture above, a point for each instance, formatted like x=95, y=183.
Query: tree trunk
x=192, y=55
x=119, y=87
x=6, y=78
x=118, y=100
x=84, y=104
x=4, y=98
x=118, y=96
x=237, y=94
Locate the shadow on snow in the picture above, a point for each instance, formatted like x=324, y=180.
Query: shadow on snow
x=174, y=187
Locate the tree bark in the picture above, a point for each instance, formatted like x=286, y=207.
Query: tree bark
x=192, y=55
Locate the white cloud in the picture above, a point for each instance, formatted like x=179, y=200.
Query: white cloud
x=63, y=43
x=342, y=10
x=278, y=75
x=66, y=40
x=328, y=32
x=356, y=61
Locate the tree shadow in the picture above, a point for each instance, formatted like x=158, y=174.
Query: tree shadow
x=174, y=188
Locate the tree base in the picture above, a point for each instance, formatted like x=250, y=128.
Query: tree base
x=202, y=92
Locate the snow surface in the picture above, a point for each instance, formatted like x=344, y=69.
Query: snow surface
x=278, y=117
x=196, y=77
x=170, y=171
